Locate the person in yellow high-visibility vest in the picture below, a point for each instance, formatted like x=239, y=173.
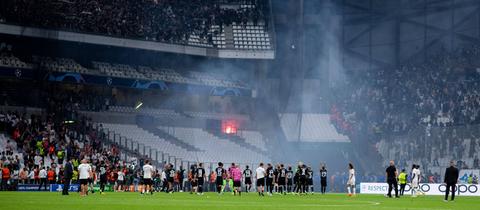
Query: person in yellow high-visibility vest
x=402, y=180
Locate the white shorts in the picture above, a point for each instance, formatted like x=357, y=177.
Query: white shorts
x=415, y=184
x=351, y=182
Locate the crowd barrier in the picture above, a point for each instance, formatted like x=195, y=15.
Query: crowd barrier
x=428, y=189
x=73, y=188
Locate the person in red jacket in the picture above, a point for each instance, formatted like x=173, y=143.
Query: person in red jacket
x=5, y=177
x=51, y=176
x=51, y=151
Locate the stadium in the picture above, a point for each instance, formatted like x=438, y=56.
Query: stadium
x=240, y=104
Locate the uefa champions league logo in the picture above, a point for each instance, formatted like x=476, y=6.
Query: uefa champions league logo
x=109, y=81
x=18, y=73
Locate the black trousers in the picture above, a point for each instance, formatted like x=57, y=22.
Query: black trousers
x=323, y=183
x=180, y=184
x=447, y=191
x=200, y=185
x=66, y=186
x=402, y=188
x=43, y=181
x=102, y=185
x=4, y=186
x=392, y=184
x=269, y=185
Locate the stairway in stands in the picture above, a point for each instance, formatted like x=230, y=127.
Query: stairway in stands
x=237, y=140
x=229, y=37
x=172, y=139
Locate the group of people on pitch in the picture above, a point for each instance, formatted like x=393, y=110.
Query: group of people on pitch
x=394, y=179
x=281, y=179
x=270, y=179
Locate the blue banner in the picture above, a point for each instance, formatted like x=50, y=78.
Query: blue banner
x=59, y=188
x=19, y=73
x=147, y=84
x=72, y=77
x=29, y=187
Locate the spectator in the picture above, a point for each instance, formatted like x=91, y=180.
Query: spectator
x=31, y=177
x=51, y=176
x=383, y=106
x=23, y=176
x=5, y=178
x=43, y=179
x=164, y=21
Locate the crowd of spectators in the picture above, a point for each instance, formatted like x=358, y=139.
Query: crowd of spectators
x=411, y=101
x=34, y=150
x=171, y=21
x=38, y=146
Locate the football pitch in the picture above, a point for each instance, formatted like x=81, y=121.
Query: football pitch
x=211, y=201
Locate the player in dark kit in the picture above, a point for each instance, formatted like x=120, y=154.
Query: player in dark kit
x=170, y=177
x=200, y=177
x=270, y=178
x=309, y=180
x=275, y=174
x=296, y=181
x=103, y=177
x=221, y=173
x=302, y=178
x=323, y=179
x=247, y=174
x=289, y=179
x=282, y=180
x=193, y=181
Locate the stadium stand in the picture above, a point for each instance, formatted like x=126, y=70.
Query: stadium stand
x=7, y=59
x=118, y=70
x=215, y=80
x=139, y=135
x=123, y=71
x=212, y=115
x=7, y=147
x=251, y=37
x=12, y=61
x=212, y=148
x=60, y=64
x=315, y=128
x=253, y=138
x=169, y=113
x=461, y=144
x=220, y=149
x=200, y=23
x=40, y=141
x=146, y=110
x=412, y=104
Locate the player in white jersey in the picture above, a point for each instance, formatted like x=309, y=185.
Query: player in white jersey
x=84, y=172
x=148, y=173
x=415, y=180
x=120, y=180
x=260, y=173
x=351, y=180
x=420, y=191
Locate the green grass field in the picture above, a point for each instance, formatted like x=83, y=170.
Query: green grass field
x=211, y=201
